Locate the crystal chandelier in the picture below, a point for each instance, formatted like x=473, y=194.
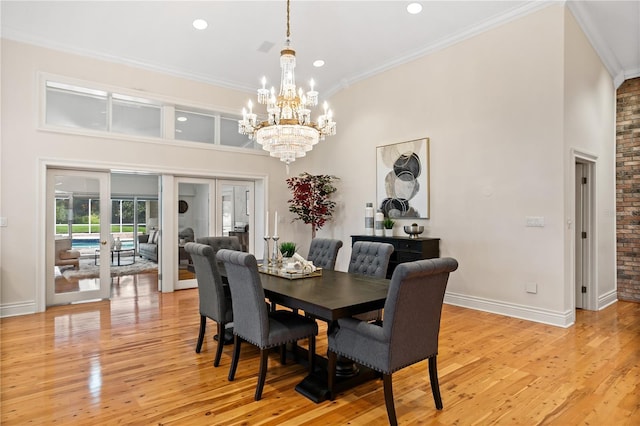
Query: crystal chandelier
x=288, y=131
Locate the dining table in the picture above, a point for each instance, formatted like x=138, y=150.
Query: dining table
x=326, y=295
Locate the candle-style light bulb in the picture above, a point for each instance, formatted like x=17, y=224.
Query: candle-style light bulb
x=250, y=107
x=244, y=113
x=326, y=107
x=264, y=81
x=311, y=84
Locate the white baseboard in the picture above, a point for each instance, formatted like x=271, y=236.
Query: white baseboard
x=559, y=319
x=15, y=309
x=607, y=299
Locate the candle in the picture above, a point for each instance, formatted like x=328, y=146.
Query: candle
x=275, y=225
x=266, y=225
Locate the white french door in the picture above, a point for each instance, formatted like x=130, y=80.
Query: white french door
x=196, y=212
x=78, y=229
x=236, y=209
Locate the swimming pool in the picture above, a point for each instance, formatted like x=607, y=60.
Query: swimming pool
x=89, y=243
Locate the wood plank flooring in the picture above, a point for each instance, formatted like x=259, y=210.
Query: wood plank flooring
x=132, y=361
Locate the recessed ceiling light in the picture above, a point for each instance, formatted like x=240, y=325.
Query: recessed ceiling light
x=318, y=63
x=414, y=8
x=182, y=118
x=200, y=24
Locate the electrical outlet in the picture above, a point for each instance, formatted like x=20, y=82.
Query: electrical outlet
x=535, y=221
x=3, y=221
x=531, y=288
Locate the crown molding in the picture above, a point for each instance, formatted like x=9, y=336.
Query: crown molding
x=18, y=36
x=441, y=44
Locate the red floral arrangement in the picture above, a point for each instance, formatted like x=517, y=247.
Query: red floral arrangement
x=311, y=199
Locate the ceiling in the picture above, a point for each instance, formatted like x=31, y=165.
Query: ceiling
x=356, y=39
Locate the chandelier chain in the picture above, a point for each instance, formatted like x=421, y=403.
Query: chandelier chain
x=288, y=27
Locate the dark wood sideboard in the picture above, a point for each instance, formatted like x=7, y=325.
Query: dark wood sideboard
x=405, y=249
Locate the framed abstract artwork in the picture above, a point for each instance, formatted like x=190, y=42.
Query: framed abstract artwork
x=402, y=179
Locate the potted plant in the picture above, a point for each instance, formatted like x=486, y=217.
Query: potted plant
x=388, y=226
x=287, y=248
x=311, y=199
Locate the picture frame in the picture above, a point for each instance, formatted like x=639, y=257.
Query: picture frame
x=402, y=179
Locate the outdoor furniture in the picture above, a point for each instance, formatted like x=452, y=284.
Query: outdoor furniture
x=252, y=320
x=409, y=333
x=215, y=299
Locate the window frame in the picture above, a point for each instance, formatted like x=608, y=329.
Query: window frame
x=167, y=105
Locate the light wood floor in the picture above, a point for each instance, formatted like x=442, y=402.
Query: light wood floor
x=132, y=361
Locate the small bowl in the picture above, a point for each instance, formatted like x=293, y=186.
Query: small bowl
x=413, y=230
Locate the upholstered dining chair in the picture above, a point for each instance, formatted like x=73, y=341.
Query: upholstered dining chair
x=252, y=321
x=215, y=302
x=323, y=252
x=409, y=333
x=370, y=258
x=217, y=243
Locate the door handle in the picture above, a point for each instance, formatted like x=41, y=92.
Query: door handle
x=104, y=242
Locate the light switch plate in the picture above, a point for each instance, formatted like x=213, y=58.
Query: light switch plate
x=3, y=221
x=535, y=221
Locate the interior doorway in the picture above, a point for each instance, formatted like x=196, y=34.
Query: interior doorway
x=153, y=212
x=584, y=288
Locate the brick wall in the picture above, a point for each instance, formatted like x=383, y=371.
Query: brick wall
x=628, y=189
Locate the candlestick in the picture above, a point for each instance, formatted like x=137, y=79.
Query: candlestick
x=275, y=225
x=266, y=260
x=276, y=258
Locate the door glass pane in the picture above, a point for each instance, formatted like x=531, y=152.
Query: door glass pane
x=77, y=234
x=236, y=211
x=193, y=223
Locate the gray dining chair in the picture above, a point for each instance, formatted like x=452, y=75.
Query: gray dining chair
x=370, y=258
x=409, y=333
x=217, y=243
x=252, y=320
x=323, y=252
x=215, y=302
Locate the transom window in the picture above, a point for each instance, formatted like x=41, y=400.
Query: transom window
x=79, y=108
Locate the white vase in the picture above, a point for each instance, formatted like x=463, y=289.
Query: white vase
x=118, y=244
x=388, y=232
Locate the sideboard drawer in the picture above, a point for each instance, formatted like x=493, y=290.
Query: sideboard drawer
x=410, y=245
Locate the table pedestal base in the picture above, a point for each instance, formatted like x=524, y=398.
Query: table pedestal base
x=315, y=386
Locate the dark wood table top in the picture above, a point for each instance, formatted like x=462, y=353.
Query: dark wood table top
x=328, y=297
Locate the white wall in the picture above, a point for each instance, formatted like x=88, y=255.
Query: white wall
x=590, y=107
x=25, y=148
x=494, y=110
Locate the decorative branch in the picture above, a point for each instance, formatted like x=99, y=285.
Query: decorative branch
x=311, y=199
